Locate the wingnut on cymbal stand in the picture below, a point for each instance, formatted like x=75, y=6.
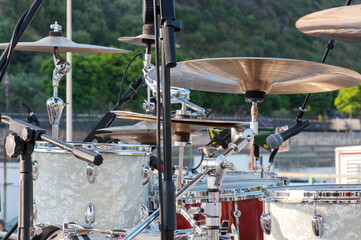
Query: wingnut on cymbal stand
x=55, y=104
x=21, y=141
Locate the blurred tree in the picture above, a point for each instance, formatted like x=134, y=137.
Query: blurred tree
x=349, y=100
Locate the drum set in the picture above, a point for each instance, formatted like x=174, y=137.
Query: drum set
x=120, y=199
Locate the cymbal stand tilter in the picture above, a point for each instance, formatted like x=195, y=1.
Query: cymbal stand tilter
x=178, y=96
x=55, y=105
x=21, y=141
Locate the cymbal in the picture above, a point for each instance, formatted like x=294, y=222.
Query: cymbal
x=340, y=23
x=268, y=75
x=63, y=44
x=183, y=121
x=143, y=132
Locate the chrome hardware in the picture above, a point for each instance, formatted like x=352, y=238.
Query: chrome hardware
x=35, y=210
x=193, y=210
x=144, y=212
x=35, y=170
x=317, y=228
x=56, y=27
x=317, y=222
x=116, y=234
x=148, y=106
x=91, y=172
x=266, y=223
x=212, y=212
x=90, y=213
x=146, y=172
x=236, y=213
x=224, y=227
x=55, y=106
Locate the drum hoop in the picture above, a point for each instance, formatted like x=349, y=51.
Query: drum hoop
x=104, y=148
x=228, y=195
x=311, y=196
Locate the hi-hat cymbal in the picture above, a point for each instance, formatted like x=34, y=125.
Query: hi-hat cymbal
x=184, y=122
x=63, y=44
x=267, y=75
x=340, y=23
x=144, y=132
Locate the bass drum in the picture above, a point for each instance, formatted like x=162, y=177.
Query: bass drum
x=239, y=197
x=312, y=212
x=109, y=196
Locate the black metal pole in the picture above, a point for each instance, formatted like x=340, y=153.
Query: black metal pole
x=25, y=217
x=159, y=111
x=168, y=190
x=169, y=60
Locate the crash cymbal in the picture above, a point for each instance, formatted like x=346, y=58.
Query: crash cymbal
x=260, y=75
x=192, y=122
x=144, y=132
x=63, y=44
x=340, y=23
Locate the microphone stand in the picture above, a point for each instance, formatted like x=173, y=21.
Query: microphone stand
x=21, y=141
x=169, y=60
x=330, y=45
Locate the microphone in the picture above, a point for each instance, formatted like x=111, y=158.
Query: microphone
x=31, y=117
x=130, y=93
x=274, y=141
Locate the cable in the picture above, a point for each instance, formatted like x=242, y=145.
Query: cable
x=123, y=80
x=19, y=29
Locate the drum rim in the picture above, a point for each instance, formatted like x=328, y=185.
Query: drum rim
x=111, y=148
x=336, y=193
x=228, y=195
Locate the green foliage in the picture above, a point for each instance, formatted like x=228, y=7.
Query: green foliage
x=25, y=88
x=349, y=100
x=210, y=28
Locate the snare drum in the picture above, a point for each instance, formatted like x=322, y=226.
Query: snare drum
x=108, y=196
x=239, y=197
x=312, y=212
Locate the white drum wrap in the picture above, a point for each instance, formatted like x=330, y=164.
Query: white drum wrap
x=297, y=212
x=108, y=196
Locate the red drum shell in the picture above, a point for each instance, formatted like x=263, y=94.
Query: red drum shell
x=241, y=187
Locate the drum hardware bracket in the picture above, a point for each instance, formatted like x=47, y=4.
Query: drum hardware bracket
x=317, y=222
x=265, y=219
x=236, y=213
x=91, y=172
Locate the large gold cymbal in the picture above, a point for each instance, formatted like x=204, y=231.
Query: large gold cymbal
x=268, y=75
x=63, y=44
x=340, y=23
x=145, y=132
x=183, y=123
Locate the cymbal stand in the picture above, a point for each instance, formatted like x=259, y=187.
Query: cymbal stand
x=21, y=141
x=55, y=105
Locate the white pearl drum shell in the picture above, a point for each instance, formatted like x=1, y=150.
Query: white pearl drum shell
x=62, y=190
